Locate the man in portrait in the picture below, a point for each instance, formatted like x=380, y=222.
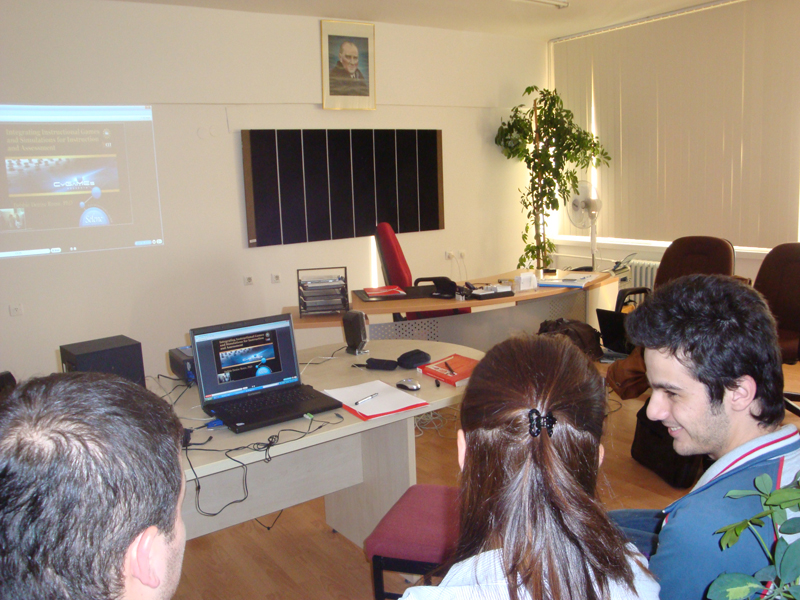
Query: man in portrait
x=346, y=79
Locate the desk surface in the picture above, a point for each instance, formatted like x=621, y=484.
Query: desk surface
x=428, y=304
x=333, y=373
x=360, y=467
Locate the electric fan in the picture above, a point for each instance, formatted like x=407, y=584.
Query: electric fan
x=583, y=210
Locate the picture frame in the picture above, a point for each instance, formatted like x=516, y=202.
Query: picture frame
x=348, y=65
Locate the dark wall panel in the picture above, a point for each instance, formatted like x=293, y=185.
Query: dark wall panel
x=315, y=165
x=341, y=178
x=431, y=212
x=290, y=171
x=386, y=177
x=314, y=185
x=266, y=204
x=407, y=196
x=363, y=182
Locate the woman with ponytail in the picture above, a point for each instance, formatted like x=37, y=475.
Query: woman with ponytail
x=532, y=526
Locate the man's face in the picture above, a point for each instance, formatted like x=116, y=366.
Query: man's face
x=348, y=56
x=682, y=403
x=176, y=548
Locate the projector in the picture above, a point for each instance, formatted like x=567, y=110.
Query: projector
x=181, y=361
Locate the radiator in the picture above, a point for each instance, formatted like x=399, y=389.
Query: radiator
x=644, y=273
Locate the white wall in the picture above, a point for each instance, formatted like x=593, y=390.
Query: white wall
x=209, y=74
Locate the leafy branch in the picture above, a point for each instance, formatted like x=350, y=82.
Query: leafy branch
x=781, y=578
x=553, y=148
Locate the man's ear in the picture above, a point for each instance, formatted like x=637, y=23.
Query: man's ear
x=461, y=445
x=142, y=557
x=602, y=453
x=743, y=395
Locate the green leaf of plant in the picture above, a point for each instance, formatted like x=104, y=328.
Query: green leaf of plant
x=733, y=586
x=768, y=573
x=741, y=493
x=794, y=590
x=791, y=526
x=764, y=483
x=780, y=549
x=729, y=539
x=778, y=517
x=783, y=496
x=790, y=563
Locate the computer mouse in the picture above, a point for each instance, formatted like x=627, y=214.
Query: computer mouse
x=408, y=384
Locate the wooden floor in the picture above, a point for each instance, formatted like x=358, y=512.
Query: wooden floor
x=301, y=558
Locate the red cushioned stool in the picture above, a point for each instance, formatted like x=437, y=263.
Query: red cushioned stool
x=416, y=536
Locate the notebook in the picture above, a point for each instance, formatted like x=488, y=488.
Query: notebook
x=248, y=375
x=612, y=330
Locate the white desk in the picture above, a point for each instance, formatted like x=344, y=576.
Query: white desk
x=490, y=322
x=360, y=467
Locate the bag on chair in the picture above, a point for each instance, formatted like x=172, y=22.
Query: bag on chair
x=628, y=376
x=586, y=337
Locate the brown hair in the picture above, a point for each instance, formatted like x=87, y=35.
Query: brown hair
x=534, y=497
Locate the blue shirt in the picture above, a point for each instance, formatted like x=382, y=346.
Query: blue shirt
x=689, y=556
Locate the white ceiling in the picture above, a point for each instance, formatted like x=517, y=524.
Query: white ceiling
x=509, y=17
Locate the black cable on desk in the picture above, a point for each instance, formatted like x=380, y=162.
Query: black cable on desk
x=324, y=359
x=273, y=440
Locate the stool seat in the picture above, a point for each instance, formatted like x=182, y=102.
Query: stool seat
x=417, y=534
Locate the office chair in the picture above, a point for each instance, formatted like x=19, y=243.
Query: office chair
x=696, y=254
x=417, y=535
x=396, y=272
x=778, y=280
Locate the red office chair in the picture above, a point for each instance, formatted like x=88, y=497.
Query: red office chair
x=396, y=271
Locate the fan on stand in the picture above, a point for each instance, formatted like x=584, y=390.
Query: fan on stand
x=583, y=210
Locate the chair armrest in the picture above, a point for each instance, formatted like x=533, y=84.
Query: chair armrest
x=623, y=294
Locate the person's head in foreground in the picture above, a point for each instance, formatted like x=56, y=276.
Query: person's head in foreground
x=713, y=361
x=529, y=447
x=90, y=491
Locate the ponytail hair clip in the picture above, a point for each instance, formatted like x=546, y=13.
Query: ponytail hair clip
x=537, y=421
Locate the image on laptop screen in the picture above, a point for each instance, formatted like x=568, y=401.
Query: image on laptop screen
x=244, y=358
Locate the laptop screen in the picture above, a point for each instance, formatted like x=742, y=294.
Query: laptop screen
x=244, y=358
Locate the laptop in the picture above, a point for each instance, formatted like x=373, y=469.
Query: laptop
x=248, y=375
x=612, y=330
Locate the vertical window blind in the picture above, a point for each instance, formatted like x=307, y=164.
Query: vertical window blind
x=701, y=115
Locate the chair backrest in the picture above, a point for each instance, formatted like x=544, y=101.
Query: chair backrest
x=393, y=262
x=696, y=254
x=778, y=280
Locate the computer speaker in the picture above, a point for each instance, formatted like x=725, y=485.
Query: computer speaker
x=355, y=331
x=119, y=355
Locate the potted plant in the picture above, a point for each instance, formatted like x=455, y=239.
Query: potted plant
x=553, y=148
x=781, y=577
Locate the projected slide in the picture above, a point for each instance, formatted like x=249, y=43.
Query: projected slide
x=246, y=356
x=77, y=179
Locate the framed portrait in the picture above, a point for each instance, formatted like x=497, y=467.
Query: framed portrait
x=348, y=65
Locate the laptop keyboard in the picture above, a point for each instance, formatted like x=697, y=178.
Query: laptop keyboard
x=257, y=404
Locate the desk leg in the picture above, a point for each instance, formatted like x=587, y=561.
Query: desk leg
x=389, y=468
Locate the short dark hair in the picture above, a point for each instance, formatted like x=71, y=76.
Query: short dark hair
x=536, y=497
x=87, y=462
x=720, y=329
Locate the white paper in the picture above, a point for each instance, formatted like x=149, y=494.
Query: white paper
x=389, y=399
